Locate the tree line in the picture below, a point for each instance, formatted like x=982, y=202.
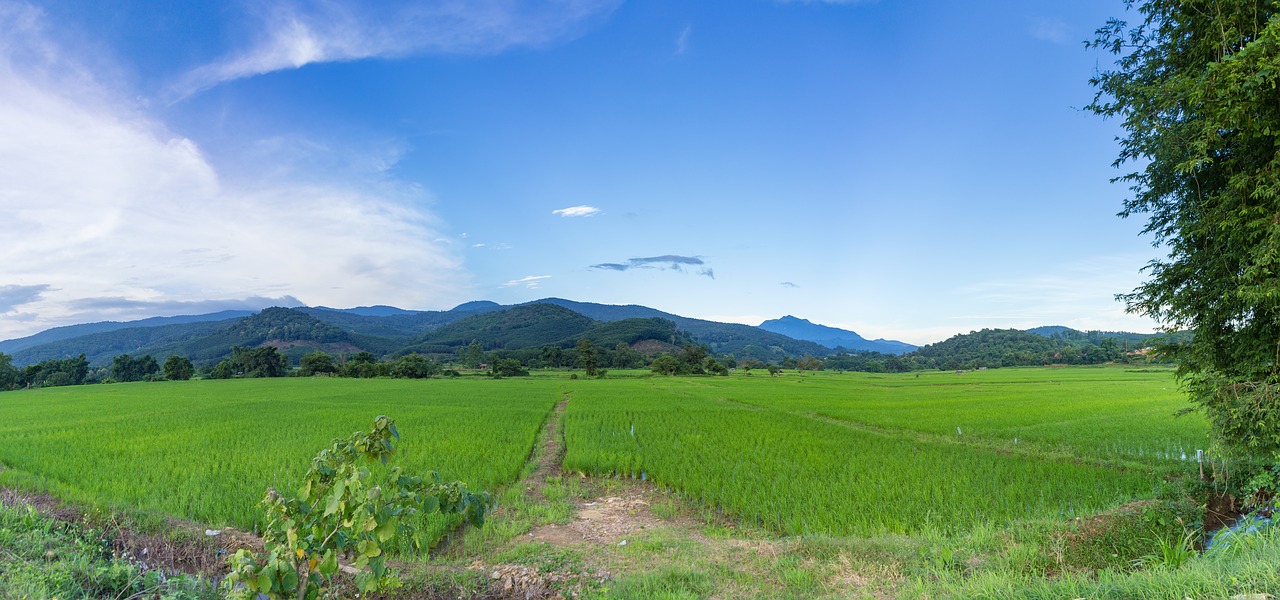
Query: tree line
x=984, y=349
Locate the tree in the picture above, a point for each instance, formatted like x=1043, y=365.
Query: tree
x=1198, y=93
x=364, y=365
x=665, y=365
x=625, y=357
x=587, y=358
x=809, y=363
x=414, y=366
x=127, y=368
x=178, y=368
x=251, y=362
x=317, y=363
x=55, y=372
x=692, y=359
x=472, y=356
x=508, y=367
x=8, y=373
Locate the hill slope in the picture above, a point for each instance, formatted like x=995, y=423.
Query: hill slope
x=742, y=341
x=988, y=348
x=388, y=330
x=525, y=326
x=68, y=332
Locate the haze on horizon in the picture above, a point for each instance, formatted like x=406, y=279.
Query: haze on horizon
x=905, y=170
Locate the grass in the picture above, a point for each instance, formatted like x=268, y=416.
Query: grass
x=41, y=557
x=208, y=450
x=772, y=462
x=829, y=485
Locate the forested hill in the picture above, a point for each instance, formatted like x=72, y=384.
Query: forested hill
x=552, y=322
x=988, y=348
x=512, y=329
x=1013, y=347
x=57, y=334
x=1126, y=340
x=99, y=348
x=388, y=331
x=742, y=341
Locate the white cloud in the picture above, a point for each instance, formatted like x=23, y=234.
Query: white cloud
x=1050, y=30
x=577, y=211
x=530, y=282
x=1061, y=293
x=682, y=42
x=103, y=203
x=292, y=35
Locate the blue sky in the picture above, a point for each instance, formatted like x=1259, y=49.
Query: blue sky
x=906, y=169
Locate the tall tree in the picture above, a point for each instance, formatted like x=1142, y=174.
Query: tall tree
x=1197, y=87
x=8, y=373
x=128, y=368
x=587, y=358
x=317, y=363
x=178, y=368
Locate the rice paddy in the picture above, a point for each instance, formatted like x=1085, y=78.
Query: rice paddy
x=845, y=454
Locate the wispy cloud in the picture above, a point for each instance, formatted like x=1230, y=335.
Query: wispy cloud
x=577, y=211
x=1063, y=294
x=530, y=282
x=682, y=41
x=102, y=201
x=290, y=35
x=1050, y=30
x=126, y=307
x=672, y=262
x=788, y=284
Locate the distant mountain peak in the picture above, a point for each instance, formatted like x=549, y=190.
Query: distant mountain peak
x=832, y=337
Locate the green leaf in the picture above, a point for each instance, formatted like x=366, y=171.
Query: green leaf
x=264, y=581
x=369, y=548
x=333, y=505
x=304, y=492
x=430, y=504
x=386, y=530
x=290, y=581
x=329, y=565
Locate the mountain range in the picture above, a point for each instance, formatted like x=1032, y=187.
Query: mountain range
x=387, y=330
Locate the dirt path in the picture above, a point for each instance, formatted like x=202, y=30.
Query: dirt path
x=551, y=452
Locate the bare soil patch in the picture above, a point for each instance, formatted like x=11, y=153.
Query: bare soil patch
x=606, y=520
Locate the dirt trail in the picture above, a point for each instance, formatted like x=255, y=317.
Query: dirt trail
x=551, y=457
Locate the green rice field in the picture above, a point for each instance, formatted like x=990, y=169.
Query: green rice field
x=825, y=453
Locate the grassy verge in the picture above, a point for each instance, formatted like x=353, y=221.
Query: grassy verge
x=42, y=557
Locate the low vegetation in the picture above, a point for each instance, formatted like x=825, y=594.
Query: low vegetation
x=942, y=484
